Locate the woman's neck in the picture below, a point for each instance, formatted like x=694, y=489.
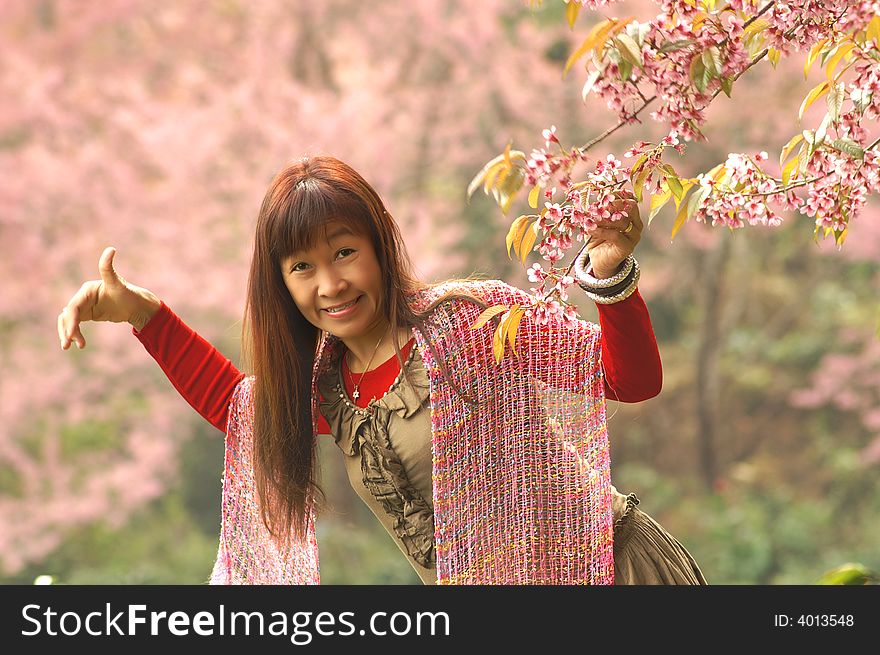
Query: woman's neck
x=358, y=357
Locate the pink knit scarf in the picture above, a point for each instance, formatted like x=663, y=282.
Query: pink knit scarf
x=521, y=486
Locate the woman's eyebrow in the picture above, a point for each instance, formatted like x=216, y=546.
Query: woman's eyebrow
x=338, y=231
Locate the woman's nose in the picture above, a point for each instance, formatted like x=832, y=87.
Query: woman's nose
x=331, y=284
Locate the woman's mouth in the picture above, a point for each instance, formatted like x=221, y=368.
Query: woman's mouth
x=342, y=310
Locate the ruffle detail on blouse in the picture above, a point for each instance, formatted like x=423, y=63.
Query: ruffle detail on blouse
x=367, y=434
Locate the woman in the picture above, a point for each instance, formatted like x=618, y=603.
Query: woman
x=482, y=472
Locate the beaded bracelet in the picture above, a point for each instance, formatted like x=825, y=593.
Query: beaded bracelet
x=590, y=283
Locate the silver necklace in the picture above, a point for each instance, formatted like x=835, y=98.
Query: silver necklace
x=356, y=394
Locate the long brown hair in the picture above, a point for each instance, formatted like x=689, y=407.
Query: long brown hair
x=279, y=345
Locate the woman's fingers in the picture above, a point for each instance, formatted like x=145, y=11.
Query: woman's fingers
x=611, y=235
x=105, y=267
x=72, y=315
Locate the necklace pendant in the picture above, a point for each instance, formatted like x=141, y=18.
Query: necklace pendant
x=356, y=394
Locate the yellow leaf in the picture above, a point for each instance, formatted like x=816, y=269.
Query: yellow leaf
x=842, y=51
x=773, y=56
x=638, y=164
x=674, y=185
x=498, y=338
x=507, y=155
x=786, y=151
x=718, y=172
x=812, y=55
x=599, y=31
x=480, y=177
x=685, y=187
x=657, y=203
x=534, y=194
x=598, y=35
x=514, y=234
x=516, y=315
x=698, y=21
x=640, y=182
x=817, y=92
x=528, y=242
x=571, y=13
x=680, y=220
x=487, y=314
x=874, y=29
x=790, y=168
x=757, y=27
x=493, y=174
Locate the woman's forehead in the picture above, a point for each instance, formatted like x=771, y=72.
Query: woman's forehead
x=328, y=232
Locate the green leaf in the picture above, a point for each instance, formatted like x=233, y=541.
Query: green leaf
x=727, y=86
x=849, y=147
x=699, y=74
x=629, y=49
x=675, y=186
x=672, y=46
x=712, y=61
x=850, y=573
x=625, y=69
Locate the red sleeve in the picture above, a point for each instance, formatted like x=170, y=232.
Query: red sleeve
x=199, y=372
x=633, y=371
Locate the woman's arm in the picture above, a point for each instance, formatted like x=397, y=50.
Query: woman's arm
x=633, y=371
x=200, y=373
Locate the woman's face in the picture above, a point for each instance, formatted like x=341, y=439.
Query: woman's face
x=334, y=272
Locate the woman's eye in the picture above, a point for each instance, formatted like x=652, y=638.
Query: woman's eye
x=296, y=268
x=345, y=250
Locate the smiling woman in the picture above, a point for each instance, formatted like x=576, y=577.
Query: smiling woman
x=342, y=340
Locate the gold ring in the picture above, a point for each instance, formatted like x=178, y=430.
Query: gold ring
x=628, y=228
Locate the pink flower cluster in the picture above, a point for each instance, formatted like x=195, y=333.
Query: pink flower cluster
x=591, y=4
x=668, y=70
x=836, y=191
x=561, y=223
x=549, y=170
x=797, y=26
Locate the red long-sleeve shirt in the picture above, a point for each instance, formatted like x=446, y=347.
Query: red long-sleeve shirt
x=207, y=379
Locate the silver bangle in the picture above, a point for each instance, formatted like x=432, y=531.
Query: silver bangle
x=621, y=295
x=589, y=282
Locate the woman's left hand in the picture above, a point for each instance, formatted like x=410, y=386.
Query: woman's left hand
x=613, y=241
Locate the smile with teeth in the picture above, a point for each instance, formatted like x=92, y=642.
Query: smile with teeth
x=341, y=308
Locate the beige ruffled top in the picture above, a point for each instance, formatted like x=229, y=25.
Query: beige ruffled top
x=387, y=450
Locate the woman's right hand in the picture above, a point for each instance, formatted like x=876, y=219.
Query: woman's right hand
x=109, y=299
